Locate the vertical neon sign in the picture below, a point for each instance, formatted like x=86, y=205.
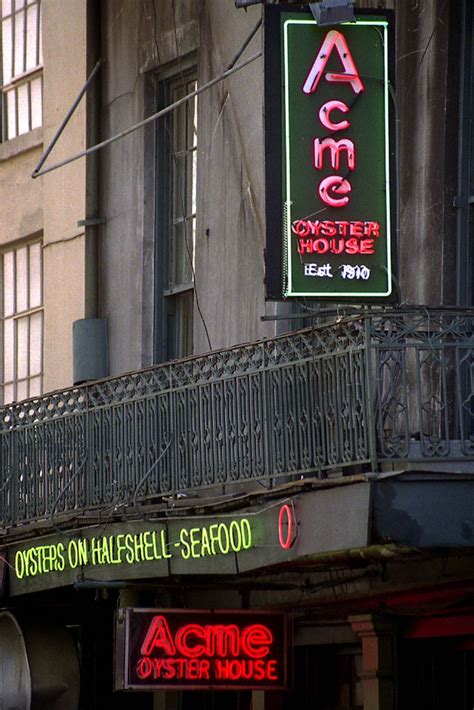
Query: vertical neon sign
x=336, y=159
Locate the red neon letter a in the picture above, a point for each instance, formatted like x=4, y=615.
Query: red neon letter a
x=158, y=636
x=350, y=75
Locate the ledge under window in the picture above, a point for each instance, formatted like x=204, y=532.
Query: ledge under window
x=21, y=144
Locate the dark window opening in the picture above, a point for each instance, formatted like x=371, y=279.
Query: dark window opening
x=436, y=674
x=175, y=219
x=324, y=678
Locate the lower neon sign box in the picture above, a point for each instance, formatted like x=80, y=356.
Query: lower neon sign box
x=183, y=649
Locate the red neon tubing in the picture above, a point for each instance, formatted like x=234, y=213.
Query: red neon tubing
x=286, y=544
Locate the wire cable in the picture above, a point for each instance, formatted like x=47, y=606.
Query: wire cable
x=145, y=478
x=61, y=493
x=149, y=119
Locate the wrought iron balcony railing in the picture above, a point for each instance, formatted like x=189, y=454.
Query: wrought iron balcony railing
x=367, y=391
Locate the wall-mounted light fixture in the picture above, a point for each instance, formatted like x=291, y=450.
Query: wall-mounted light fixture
x=332, y=12
x=326, y=12
x=246, y=3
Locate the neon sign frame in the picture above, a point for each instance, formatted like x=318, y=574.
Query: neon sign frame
x=354, y=251
x=190, y=649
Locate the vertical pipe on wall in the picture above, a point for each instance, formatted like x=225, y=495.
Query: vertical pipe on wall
x=93, y=43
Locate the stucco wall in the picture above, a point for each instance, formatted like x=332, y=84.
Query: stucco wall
x=64, y=190
x=52, y=205
x=21, y=212
x=141, y=36
x=426, y=243
x=122, y=180
x=427, y=228
x=230, y=235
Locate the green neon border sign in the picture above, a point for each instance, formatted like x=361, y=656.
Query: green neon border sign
x=281, y=252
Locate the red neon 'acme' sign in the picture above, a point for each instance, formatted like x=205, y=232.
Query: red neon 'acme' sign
x=334, y=190
x=209, y=640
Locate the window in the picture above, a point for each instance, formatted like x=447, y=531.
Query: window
x=176, y=219
x=21, y=66
x=437, y=672
x=21, y=303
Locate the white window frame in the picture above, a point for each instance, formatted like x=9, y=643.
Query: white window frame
x=21, y=74
x=21, y=322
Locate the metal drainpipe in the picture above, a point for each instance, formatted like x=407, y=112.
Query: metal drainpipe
x=90, y=349
x=92, y=201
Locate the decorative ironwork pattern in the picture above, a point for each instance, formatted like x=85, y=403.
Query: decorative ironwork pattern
x=395, y=387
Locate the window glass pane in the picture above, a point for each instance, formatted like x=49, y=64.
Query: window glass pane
x=8, y=284
x=36, y=103
x=23, y=109
x=194, y=182
x=19, y=43
x=8, y=394
x=184, y=313
x=19, y=4
x=190, y=114
x=9, y=351
x=6, y=7
x=22, y=390
x=22, y=347
x=35, y=275
x=7, y=50
x=179, y=122
x=35, y=386
x=11, y=114
x=193, y=108
x=179, y=187
x=182, y=251
x=31, y=36
x=22, y=336
x=40, y=48
x=189, y=183
x=192, y=227
x=36, y=339
x=21, y=280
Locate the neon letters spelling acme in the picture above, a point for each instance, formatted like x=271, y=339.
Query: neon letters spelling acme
x=208, y=640
x=334, y=190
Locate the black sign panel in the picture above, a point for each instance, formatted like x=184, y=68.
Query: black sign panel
x=330, y=188
x=183, y=649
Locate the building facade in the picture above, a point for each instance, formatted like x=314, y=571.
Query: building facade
x=170, y=439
